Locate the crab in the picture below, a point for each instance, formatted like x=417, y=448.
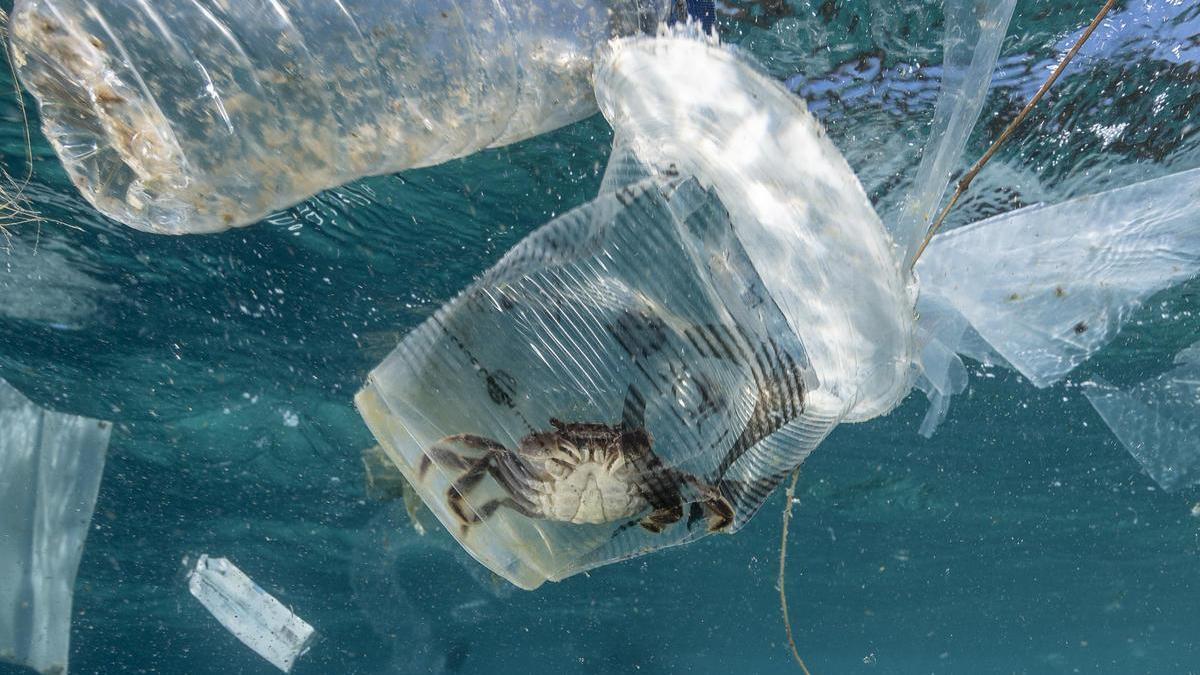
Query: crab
x=577, y=473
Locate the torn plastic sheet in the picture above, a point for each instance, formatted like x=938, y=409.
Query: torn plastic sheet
x=1048, y=286
x=254, y=616
x=50, y=470
x=1158, y=420
x=644, y=369
x=940, y=332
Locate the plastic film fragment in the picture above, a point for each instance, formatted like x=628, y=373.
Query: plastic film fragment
x=1048, y=286
x=50, y=469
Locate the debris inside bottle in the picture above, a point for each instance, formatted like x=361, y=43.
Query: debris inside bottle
x=183, y=117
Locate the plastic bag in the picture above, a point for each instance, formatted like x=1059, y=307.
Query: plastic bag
x=1048, y=286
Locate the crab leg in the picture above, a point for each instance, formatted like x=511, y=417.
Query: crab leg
x=448, y=457
x=500, y=464
x=715, y=503
x=658, y=520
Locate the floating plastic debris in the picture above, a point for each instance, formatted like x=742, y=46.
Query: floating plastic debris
x=423, y=596
x=254, y=616
x=974, y=33
x=645, y=369
x=50, y=470
x=179, y=117
x=1047, y=286
x=1158, y=420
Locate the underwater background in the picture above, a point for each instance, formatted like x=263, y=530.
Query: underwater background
x=1021, y=538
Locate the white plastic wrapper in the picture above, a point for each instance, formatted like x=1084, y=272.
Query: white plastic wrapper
x=254, y=616
x=50, y=469
x=185, y=116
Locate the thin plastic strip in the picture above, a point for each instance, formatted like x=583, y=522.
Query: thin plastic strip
x=974, y=34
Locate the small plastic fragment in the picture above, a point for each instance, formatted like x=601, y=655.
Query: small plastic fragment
x=50, y=469
x=1158, y=420
x=254, y=616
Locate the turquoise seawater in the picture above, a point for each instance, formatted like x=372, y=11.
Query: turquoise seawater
x=1021, y=538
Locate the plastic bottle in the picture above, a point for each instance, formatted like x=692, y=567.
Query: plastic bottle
x=183, y=116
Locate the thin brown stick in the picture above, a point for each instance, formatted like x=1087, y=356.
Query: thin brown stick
x=790, y=496
x=969, y=176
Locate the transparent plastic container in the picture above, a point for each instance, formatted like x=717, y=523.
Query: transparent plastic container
x=645, y=369
x=184, y=116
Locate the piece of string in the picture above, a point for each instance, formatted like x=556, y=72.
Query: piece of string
x=790, y=496
x=969, y=176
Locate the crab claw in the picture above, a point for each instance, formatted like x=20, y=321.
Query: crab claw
x=658, y=521
x=720, y=511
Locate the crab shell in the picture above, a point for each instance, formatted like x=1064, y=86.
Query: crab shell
x=589, y=481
